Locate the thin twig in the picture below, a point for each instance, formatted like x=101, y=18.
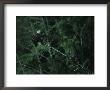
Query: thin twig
x=58, y=51
x=21, y=66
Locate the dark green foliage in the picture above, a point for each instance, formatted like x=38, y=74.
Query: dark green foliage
x=65, y=45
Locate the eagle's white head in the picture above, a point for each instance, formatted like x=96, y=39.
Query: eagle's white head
x=38, y=31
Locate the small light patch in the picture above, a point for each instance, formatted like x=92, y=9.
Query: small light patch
x=38, y=31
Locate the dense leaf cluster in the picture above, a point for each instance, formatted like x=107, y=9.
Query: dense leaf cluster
x=65, y=45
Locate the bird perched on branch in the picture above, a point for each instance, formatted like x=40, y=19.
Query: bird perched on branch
x=36, y=38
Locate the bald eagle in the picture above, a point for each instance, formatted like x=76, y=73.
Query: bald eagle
x=36, y=38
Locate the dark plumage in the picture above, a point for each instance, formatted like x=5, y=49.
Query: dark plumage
x=38, y=37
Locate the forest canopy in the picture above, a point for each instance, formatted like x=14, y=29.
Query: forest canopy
x=54, y=44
